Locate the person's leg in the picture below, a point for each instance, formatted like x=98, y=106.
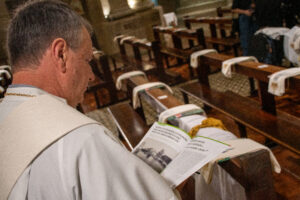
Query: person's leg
x=244, y=33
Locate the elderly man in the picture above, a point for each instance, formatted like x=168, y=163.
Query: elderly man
x=48, y=150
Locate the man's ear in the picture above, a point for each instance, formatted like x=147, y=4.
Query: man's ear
x=59, y=52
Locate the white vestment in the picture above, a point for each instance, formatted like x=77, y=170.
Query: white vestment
x=87, y=163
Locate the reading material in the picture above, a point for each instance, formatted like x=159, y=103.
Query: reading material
x=174, y=154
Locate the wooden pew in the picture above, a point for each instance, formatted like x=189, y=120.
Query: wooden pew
x=137, y=62
x=103, y=79
x=195, y=39
x=217, y=24
x=251, y=168
x=262, y=116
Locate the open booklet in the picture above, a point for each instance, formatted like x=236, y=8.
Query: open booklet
x=174, y=154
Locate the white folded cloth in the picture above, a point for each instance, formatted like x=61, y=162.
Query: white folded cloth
x=117, y=37
x=195, y=55
x=273, y=32
x=97, y=52
x=136, y=101
x=144, y=40
x=126, y=38
x=1, y=90
x=163, y=116
x=7, y=74
x=226, y=65
x=126, y=76
x=179, y=29
x=164, y=27
x=289, y=43
x=277, y=80
x=5, y=67
x=171, y=19
x=239, y=147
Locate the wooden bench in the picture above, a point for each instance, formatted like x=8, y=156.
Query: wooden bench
x=103, y=79
x=262, y=116
x=242, y=168
x=151, y=66
x=217, y=26
x=196, y=41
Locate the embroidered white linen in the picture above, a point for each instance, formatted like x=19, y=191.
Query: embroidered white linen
x=126, y=38
x=163, y=116
x=195, y=55
x=277, y=80
x=239, y=147
x=226, y=65
x=273, y=32
x=135, y=99
x=126, y=76
x=7, y=74
x=6, y=67
x=117, y=37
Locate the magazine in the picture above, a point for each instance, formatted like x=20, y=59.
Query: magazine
x=174, y=154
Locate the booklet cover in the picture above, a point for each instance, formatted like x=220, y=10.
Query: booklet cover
x=174, y=154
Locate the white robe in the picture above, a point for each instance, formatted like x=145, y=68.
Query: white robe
x=88, y=163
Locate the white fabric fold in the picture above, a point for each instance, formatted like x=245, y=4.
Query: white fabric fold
x=277, y=80
x=126, y=76
x=135, y=99
x=226, y=65
x=289, y=43
x=5, y=67
x=7, y=74
x=179, y=29
x=126, y=38
x=97, y=52
x=273, y=32
x=239, y=147
x=163, y=116
x=195, y=55
x=117, y=37
x=1, y=90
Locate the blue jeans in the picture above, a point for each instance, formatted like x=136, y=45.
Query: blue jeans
x=247, y=29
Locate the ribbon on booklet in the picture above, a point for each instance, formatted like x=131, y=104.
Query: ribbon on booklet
x=147, y=86
x=178, y=111
x=227, y=64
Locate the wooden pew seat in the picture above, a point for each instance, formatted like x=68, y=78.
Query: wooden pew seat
x=132, y=132
x=282, y=128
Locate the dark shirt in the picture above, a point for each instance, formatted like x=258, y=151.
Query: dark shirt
x=267, y=13
x=241, y=4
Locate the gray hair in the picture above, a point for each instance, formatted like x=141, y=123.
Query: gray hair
x=36, y=24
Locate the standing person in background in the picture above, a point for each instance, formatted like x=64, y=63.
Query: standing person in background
x=247, y=26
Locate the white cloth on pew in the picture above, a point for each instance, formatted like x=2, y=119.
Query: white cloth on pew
x=289, y=42
x=277, y=80
x=1, y=89
x=171, y=19
x=163, y=116
x=179, y=29
x=6, y=73
x=128, y=75
x=6, y=67
x=135, y=99
x=195, y=55
x=117, y=37
x=164, y=27
x=126, y=38
x=273, y=32
x=226, y=65
x=97, y=52
x=239, y=147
